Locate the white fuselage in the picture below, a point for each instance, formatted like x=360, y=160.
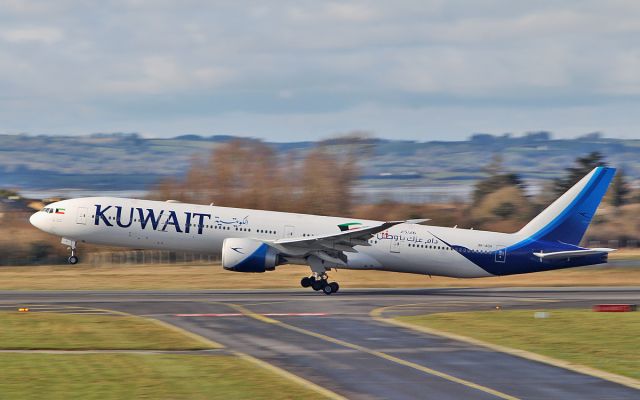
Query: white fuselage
x=144, y=224
x=258, y=241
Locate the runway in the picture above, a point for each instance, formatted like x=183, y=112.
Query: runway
x=334, y=342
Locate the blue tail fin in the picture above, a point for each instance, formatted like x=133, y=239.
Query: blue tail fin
x=567, y=218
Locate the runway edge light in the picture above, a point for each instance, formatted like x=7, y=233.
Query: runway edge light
x=23, y=309
x=614, y=307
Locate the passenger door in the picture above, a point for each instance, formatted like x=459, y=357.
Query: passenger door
x=501, y=254
x=289, y=231
x=81, y=216
x=394, y=245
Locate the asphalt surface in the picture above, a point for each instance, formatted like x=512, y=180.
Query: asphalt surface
x=334, y=342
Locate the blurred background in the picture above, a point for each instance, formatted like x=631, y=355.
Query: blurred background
x=460, y=183
x=476, y=115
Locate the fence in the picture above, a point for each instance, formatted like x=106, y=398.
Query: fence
x=144, y=257
x=125, y=257
x=614, y=243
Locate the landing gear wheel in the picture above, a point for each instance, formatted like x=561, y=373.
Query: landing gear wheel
x=318, y=284
x=305, y=282
x=73, y=259
x=334, y=287
x=327, y=289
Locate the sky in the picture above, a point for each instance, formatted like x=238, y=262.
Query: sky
x=305, y=70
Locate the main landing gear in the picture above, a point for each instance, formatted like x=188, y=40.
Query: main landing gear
x=319, y=282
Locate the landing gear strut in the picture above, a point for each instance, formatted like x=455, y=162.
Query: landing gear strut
x=73, y=259
x=318, y=282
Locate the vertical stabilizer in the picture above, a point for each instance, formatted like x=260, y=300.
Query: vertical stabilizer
x=567, y=218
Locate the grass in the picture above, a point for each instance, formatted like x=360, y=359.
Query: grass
x=606, y=341
x=139, y=376
x=37, y=330
x=112, y=375
x=625, y=254
x=199, y=276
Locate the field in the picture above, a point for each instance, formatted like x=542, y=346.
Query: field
x=143, y=371
x=128, y=376
x=606, y=341
x=53, y=331
x=199, y=276
x=625, y=254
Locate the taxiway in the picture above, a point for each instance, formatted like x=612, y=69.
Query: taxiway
x=334, y=341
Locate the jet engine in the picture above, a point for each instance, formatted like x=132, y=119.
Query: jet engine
x=248, y=255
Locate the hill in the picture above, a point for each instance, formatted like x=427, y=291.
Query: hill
x=413, y=169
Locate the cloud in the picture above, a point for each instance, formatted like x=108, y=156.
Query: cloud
x=152, y=65
x=354, y=12
x=34, y=34
x=162, y=74
x=351, y=12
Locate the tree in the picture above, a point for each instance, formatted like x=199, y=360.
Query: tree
x=4, y=193
x=619, y=190
x=583, y=165
x=244, y=173
x=496, y=180
x=327, y=182
x=504, y=210
x=247, y=173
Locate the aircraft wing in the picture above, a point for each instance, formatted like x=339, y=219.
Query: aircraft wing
x=331, y=247
x=573, y=253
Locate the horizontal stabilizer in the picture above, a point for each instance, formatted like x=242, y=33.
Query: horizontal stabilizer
x=573, y=253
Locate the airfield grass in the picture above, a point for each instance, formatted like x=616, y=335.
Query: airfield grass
x=139, y=376
x=56, y=331
x=55, y=371
x=625, y=254
x=200, y=276
x=606, y=341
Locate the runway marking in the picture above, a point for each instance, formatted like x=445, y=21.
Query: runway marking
x=243, y=315
x=113, y=351
x=367, y=350
x=376, y=314
x=292, y=377
x=59, y=309
x=216, y=346
x=264, y=303
x=166, y=325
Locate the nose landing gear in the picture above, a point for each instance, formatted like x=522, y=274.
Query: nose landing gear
x=318, y=282
x=73, y=259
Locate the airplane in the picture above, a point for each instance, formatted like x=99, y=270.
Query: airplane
x=257, y=241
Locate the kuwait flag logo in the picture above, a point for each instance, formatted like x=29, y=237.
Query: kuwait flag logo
x=347, y=226
x=59, y=210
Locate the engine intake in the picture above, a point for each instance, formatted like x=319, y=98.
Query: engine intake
x=248, y=255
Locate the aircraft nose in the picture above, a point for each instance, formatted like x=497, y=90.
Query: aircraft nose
x=36, y=220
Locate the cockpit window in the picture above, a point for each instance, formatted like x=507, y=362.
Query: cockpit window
x=47, y=210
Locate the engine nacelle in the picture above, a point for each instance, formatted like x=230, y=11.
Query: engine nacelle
x=248, y=255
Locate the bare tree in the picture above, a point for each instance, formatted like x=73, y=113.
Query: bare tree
x=248, y=173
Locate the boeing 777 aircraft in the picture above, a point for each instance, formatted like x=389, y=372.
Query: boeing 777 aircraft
x=259, y=241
